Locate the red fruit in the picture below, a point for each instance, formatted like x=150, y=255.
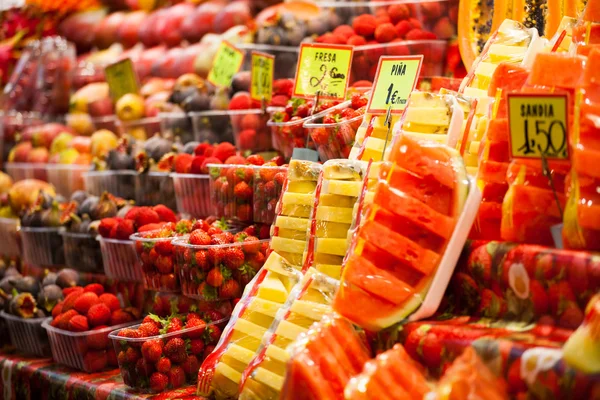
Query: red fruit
x=62, y=321
x=233, y=257
x=84, y=302
x=559, y=293
x=251, y=245
x=163, y=365
x=199, y=238
x=71, y=299
x=236, y=160
x=197, y=164
x=247, y=139
x=164, y=264
x=94, y=288
x=344, y=31
x=279, y=100
x=152, y=350
x=224, y=150
x=209, y=160
x=201, y=257
x=132, y=355
x=264, y=232
x=538, y=297
x=244, y=212
x=107, y=225
x=144, y=367
x=57, y=310
x=330, y=38
x=165, y=213
x=398, y=12
x=200, y=150
x=214, y=277
x=431, y=347
x=242, y=191
x=364, y=25
x=199, y=326
x=414, y=34
x=98, y=341
x=149, y=329
x=230, y=289
x=110, y=300
x=241, y=101
x=256, y=261
x=214, y=333
x=176, y=376
x=175, y=350
x=142, y=216
x=119, y=317
x=385, y=33
x=415, y=23
x=255, y=159
x=197, y=347
x=183, y=163
x=191, y=366
x=398, y=48
x=356, y=40
x=95, y=360
x=78, y=323
x=129, y=333
x=402, y=28
x=158, y=382
x=125, y=229
x=69, y=290
x=571, y=317
x=99, y=314
x=150, y=227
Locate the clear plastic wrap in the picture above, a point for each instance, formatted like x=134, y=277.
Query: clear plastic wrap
x=157, y=259
x=192, y=193
x=372, y=137
x=308, y=302
x=66, y=178
x=268, y=184
x=323, y=360
x=290, y=231
x=582, y=349
x=391, y=375
x=410, y=241
x=221, y=372
x=43, y=247
x=82, y=252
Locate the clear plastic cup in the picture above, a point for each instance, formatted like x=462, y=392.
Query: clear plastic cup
x=66, y=178
x=157, y=260
x=268, y=184
x=119, y=260
x=27, y=335
x=43, y=247
x=231, y=190
x=212, y=126
x=9, y=244
x=119, y=183
x=82, y=252
x=192, y=193
x=22, y=171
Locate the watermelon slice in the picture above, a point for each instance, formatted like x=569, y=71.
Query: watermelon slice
x=498, y=131
x=556, y=70
x=305, y=381
x=493, y=192
x=508, y=77
x=492, y=171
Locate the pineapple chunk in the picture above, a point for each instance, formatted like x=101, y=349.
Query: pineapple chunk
x=302, y=186
x=239, y=353
x=325, y=229
x=334, y=214
x=287, y=245
x=336, y=200
x=270, y=379
x=334, y=271
x=299, y=170
x=332, y=246
x=263, y=306
x=298, y=198
x=228, y=372
x=295, y=223
x=314, y=311
x=291, y=234
x=272, y=289
x=295, y=210
x=289, y=330
x=343, y=188
x=437, y=116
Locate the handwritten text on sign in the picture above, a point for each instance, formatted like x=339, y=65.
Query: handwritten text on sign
x=538, y=125
x=226, y=64
x=121, y=79
x=396, y=78
x=261, y=86
x=324, y=69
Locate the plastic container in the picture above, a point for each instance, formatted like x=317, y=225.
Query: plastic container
x=66, y=178
x=84, y=351
x=192, y=193
x=140, y=129
x=231, y=190
x=43, y=247
x=140, y=381
x=22, y=171
x=119, y=260
x=250, y=130
x=154, y=188
x=82, y=252
x=118, y=183
x=286, y=58
x=287, y=135
x=28, y=335
x=236, y=263
x=212, y=126
x=157, y=261
x=268, y=184
x=175, y=125
x=9, y=245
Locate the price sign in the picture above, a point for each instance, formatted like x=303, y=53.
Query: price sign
x=395, y=79
x=226, y=64
x=323, y=69
x=538, y=126
x=261, y=76
x=121, y=79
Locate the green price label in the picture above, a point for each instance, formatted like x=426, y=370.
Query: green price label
x=226, y=64
x=538, y=125
x=121, y=79
x=261, y=86
x=323, y=69
x=395, y=79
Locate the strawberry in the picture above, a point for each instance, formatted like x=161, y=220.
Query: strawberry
x=99, y=314
x=244, y=212
x=398, y=12
x=197, y=347
x=142, y=216
x=190, y=366
x=175, y=325
x=230, y=289
x=255, y=159
x=163, y=365
x=215, y=277
x=158, y=382
x=251, y=245
x=165, y=213
x=183, y=163
x=57, y=310
x=235, y=160
x=164, y=264
x=279, y=178
x=385, y=33
x=119, y=317
x=129, y=333
x=197, y=162
x=213, y=315
x=107, y=225
x=176, y=376
x=200, y=150
x=241, y=101
x=247, y=139
x=264, y=232
x=199, y=238
x=198, y=326
x=201, y=259
x=233, y=257
x=84, y=302
x=150, y=227
x=78, y=323
x=175, y=350
x=152, y=350
x=218, y=238
x=110, y=300
x=95, y=360
x=124, y=229
x=94, y=288
x=209, y=160
x=432, y=350
x=320, y=136
x=149, y=329
x=414, y=34
x=143, y=367
x=62, y=321
x=344, y=31
x=74, y=289
x=364, y=25
x=98, y=341
x=223, y=151
x=200, y=224
x=207, y=292
x=213, y=334
x=228, y=236
x=256, y=261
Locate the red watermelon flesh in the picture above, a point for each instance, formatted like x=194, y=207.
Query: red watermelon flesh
x=391, y=264
x=556, y=70
x=304, y=380
x=498, y=131
x=492, y=171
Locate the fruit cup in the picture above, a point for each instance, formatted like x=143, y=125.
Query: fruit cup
x=66, y=178
x=21, y=171
x=157, y=260
x=27, y=335
x=153, y=188
x=179, y=354
x=82, y=252
x=140, y=129
x=285, y=136
x=118, y=183
x=216, y=272
x=268, y=183
x=192, y=193
x=43, y=247
x=85, y=351
x=212, y=126
x=250, y=130
x=175, y=125
x=120, y=260
x=286, y=58
x=333, y=140
x=231, y=190
x=9, y=246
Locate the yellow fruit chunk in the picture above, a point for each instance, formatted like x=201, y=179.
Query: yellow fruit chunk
x=301, y=186
x=269, y=378
x=263, y=306
x=272, y=289
x=289, y=330
x=295, y=210
x=331, y=229
x=336, y=200
x=438, y=116
x=334, y=214
x=332, y=246
x=228, y=372
x=287, y=245
x=298, y=198
x=314, y=311
x=344, y=188
x=295, y=223
x=334, y=271
x=239, y=353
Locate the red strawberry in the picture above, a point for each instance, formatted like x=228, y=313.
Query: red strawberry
x=385, y=33
x=98, y=341
x=94, y=288
x=228, y=236
x=164, y=264
x=364, y=25
x=255, y=159
x=175, y=350
x=230, y=289
x=199, y=326
x=129, y=333
x=191, y=366
x=200, y=150
x=200, y=224
x=73, y=289
x=344, y=30
x=175, y=325
x=124, y=229
x=264, y=232
x=233, y=257
x=95, y=360
x=163, y=365
x=142, y=216
x=99, y=314
x=236, y=160
x=199, y=238
x=132, y=355
x=256, y=261
x=244, y=212
x=209, y=160
x=85, y=301
x=176, y=376
x=158, y=382
x=57, y=310
x=144, y=367
x=223, y=151
x=241, y=101
x=414, y=34
x=152, y=350
x=197, y=164
x=71, y=299
x=107, y=225
x=215, y=277
x=432, y=350
x=214, y=333
x=197, y=347
x=247, y=139
x=119, y=317
x=149, y=329
x=251, y=245
x=165, y=213
x=183, y=163
x=201, y=258
x=110, y=300
x=78, y=323
x=150, y=227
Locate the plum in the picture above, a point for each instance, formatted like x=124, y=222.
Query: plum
x=67, y=278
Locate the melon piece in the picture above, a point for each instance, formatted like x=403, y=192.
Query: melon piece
x=556, y=70
x=509, y=78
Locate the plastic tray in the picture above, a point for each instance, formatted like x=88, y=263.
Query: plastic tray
x=149, y=258
x=22, y=171
x=212, y=126
x=85, y=351
x=141, y=129
x=9, y=245
x=43, y=247
x=130, y=373
x=27, y=335
x=192, y=193
x=267, y=189
x=250, y=130
x=224, y=180
x=66, y=178
x=82, y=252
x=193, y=265
x=177, y=125
x=119, y=183
x=152, y=188
x=286, y=58
x=119, y=259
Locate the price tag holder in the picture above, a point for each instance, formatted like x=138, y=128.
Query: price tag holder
x=226, y=64
x=121, y=78
x=261, y=76
x=323, y=69
x=538, y=125
x=395, y=80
